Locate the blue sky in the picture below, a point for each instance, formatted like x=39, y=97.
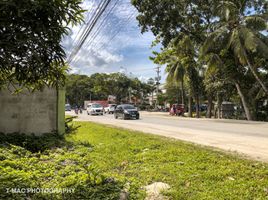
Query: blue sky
x=117, y=46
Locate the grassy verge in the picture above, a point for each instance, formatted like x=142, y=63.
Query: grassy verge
x=98, y=161
x=193, y=172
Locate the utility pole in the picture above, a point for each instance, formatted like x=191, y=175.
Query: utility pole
x=158, y=78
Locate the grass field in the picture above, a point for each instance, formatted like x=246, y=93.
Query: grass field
x=192, y=171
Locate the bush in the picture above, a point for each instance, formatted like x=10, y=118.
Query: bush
x=69, y=126
x=32, y=142
x=58, y=168
x=50, y=162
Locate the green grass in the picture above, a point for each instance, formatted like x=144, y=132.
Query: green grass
x=98, y=161
x=192, y=171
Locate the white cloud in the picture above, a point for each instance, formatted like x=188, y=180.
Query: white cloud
x=117, y=43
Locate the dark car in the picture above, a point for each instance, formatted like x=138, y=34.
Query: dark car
x=126, y=111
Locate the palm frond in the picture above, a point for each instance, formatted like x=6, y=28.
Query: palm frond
x=249, y=38
x=256, y=23
x=212, y=41
x=214, y=63
x=227, y=10
x=236, y=45
x=186, y=46
x=175, y=72
x=253, y=43
x=179, y=72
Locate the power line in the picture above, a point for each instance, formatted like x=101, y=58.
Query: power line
x=114, y=26
x=120, y=26
x=88, y=30
x=96, y=33
x=78, y=40
x=76, y=37
x=118, y=30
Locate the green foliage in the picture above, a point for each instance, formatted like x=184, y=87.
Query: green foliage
x=98, y=86
x=30, y=34
x=32, y=142
x=197, y=36
x=69, y=125
x=68, y=166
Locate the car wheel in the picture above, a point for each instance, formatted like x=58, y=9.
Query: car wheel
x=138, y=117
x=115, y=116
x=124, y=117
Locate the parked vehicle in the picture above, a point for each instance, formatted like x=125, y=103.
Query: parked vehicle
x=177, y=109
x=110, y=108
x=67, y=107
x=94, y=109
x=126, y=111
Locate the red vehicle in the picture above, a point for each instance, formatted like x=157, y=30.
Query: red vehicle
x=177, y=109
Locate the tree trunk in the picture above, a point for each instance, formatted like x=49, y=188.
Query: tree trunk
x=190, y=102
x=219, y=106
x=197, y=109
x=244, y=102
x=182, y=92
x=209, y=108
x=256, y=75
x=152, y=98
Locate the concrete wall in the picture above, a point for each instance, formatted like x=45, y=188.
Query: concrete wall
x=31, y=112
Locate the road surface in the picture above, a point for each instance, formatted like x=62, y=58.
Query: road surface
x=247, y=138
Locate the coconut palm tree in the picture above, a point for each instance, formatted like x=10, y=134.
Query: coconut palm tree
x=219, y=75
x=182, y=65
x=176, y=73
x=242, y=35
x=185, y=52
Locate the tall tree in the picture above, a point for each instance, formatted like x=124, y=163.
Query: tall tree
x=242, y=34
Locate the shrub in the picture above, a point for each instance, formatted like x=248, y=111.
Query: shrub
x=58, y=169
x=32, y=142
x=69, y=126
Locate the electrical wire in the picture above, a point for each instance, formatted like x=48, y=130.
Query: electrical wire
x=88, y=30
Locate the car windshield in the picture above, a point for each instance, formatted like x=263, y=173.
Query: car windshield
x=96, y=106
x=129, y=107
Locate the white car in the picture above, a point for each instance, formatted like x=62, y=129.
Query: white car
x=94, y=109
x=110, y=108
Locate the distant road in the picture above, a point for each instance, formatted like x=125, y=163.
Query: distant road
x=249, y=138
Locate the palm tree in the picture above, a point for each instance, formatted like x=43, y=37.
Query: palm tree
x=181, y=65
x=242, y=35
x=186, y=52
x=176, y=73
x=219, y=75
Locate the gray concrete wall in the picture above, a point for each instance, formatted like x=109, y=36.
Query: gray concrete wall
x=28, y=112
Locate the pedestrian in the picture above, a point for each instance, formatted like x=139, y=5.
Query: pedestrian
x=76, y=110
x=174, y=109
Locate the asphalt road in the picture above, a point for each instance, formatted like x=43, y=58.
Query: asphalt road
x=246, y=138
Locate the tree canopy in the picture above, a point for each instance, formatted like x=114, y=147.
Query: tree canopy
x=216, y=47
x=99, y=86
x=30, y=34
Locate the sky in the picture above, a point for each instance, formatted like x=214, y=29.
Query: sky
x=114, y=45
